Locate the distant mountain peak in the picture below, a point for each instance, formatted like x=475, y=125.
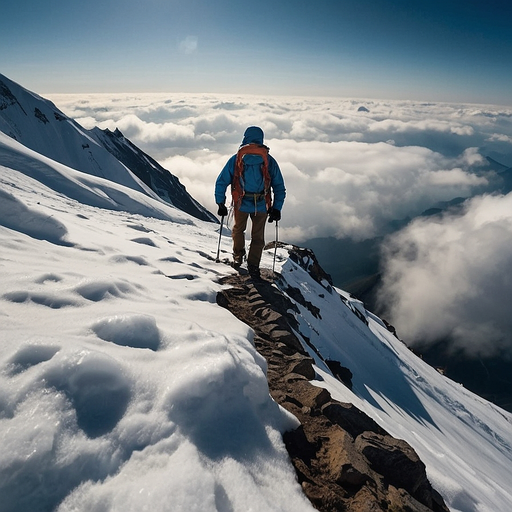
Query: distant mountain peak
x=38, y=124
x=495, y=165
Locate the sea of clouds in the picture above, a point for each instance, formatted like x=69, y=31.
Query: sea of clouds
x=350, y=172
x=450, y=278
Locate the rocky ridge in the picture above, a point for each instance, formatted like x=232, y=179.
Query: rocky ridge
x=344, y=460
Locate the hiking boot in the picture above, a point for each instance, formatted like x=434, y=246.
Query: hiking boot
x=238, y=260
x=254, y=271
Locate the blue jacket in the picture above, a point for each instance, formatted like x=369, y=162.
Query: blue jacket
x=253, y=177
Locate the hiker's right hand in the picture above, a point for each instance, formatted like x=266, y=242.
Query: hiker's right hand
x=222, y=211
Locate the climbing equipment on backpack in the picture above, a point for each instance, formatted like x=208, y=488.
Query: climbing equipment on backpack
x=238, y=189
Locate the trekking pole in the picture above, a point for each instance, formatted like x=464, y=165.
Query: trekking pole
x=275, y=247
x=220, y=238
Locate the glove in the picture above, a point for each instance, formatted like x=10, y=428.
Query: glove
x=222, y=211
x=274, y=215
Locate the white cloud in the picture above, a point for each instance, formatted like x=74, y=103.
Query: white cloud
x=450, y=278
x=188, y=45
x=343, y=177
x=455, y=177
x=350, y=173
x=392, y=126
x=500, y=137
x=355, y=189
x=167, y=134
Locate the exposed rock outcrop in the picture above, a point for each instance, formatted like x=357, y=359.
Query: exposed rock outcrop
x=344, y=460
x=146, y=168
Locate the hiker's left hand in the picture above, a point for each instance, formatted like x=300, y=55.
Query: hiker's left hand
x=274, y=215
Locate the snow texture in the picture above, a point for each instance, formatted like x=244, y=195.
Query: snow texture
x=123, y=386
x=464, y=441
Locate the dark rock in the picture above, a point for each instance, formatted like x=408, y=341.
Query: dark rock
x=297, y=296
x=286, y=350
x=40, y=116
x=288, y=339
x=397, y=461
x=390, y=328
x=306, y=259
x=351, y=419
x=351, y=476
x=347, y=467
x=304, y=367
x=222, y=300
x=294, y=377
x=7, y=98
x=313, y=396
x=299, y=446
x=340, y=372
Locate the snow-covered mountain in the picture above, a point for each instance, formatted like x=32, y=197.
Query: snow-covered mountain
x=125, y=386
x=39, y=125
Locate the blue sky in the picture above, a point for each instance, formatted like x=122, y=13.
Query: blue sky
x=433, y=51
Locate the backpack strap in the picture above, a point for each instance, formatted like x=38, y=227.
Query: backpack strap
x=237, y=187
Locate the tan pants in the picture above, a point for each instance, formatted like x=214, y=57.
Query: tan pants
x=257, y=235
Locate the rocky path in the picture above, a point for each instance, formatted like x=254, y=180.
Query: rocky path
x=343, y=459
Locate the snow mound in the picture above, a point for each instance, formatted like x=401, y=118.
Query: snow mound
x=137, y=331
x=15, y=215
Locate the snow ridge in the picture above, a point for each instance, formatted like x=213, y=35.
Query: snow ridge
x=39, y=125
x=344, y=460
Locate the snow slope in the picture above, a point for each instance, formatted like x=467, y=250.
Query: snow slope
x=39, y=125
x=123, y=386
x=464, y=441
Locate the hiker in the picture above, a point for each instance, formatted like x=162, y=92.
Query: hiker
x=252, y=173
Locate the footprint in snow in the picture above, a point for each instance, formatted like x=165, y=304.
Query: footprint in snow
x=144, y=241
x=171, y=259
x=188, y=277
x=31, y=355
x=54, y=278
x=122, y=258
x=139, y=227
x=96, y=291
x=43, y=299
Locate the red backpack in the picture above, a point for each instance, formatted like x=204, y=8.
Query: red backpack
x=237, y=188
